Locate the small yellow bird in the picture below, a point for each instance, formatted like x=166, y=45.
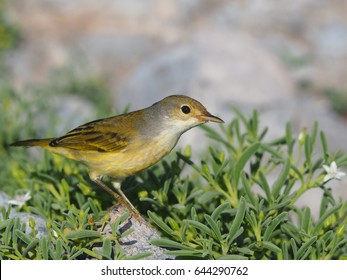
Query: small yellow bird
x=122, y=145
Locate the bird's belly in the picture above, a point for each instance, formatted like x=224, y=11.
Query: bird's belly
x=127, y=162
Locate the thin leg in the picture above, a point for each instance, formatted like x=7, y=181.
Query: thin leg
x=132, y=209
x=119, y=196
x=107, y=189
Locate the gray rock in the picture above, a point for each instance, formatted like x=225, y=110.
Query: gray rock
x=216, y=71
x=40, y=223
x=138, y=241
x=112, y=55
x=212, y=68
x=69, y=110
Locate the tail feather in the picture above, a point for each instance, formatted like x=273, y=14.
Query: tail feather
x=32, y=142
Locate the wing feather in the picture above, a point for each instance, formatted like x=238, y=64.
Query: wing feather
x=99, y=135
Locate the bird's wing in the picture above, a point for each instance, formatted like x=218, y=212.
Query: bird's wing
x=99, y=135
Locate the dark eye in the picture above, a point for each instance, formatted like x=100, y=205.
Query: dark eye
x=185, y=109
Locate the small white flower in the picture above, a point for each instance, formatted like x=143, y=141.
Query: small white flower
x=20, y=199
x=332, y=172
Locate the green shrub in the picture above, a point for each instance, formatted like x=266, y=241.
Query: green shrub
x=223, y=218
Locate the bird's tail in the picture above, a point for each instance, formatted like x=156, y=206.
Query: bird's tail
x=32, y=142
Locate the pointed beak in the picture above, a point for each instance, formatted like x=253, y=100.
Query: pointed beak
x=210, y=118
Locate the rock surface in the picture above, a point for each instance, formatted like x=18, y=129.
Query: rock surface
x=138, y=241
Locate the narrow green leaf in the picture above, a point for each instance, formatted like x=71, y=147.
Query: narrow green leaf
x=121, y=219
x=308, y=150
x=271, y=151
x=276, y=187
x=212, y=134
x=4, y=224
x=274, y=223
x=304, y=247
x=324, y=146
x=272, y=247
x=341, y=161
x=31, y=246
x=285, y=254
x=91, y=253
x=193, y=214
x=287, y=200
x=6, y=237
x=84, y=233
x=327, y=237
x=317, y=164
x=127, y=232
x=186, y=253
x=207, y=196
x=160, y=223
x=219, y=210
x=215, y=156
x=24, y=237
x=57, y=253
x=167, y=243
x=232, y=257
x=294, y=234
x=140, y=256
x=327, y=213
x=203, y=228
x=214, y=227
x=294, y=248
x=241, y=116
x=107, y=248
x=276, y=142
x=76, y=254
x=263, y=133
x=297, y=172
x=245, y=251
x=240, y=214
x=205, y=169
x=236, y=235
x=306, y=219
x=266, y=187
x=93, y=206
x=44, y=249
x=289, y=139
x=248, y=190
x=314, y=133
x=244, y=158
x=16, y=225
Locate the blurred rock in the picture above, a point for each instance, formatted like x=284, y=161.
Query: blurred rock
x=216, y=71
x=113, y=55
x=211, y=67
x=308, y=34
x=40, y=223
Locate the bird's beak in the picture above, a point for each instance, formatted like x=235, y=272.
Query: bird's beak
x=210, y=118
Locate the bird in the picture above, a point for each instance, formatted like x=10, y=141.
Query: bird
x=122, y=145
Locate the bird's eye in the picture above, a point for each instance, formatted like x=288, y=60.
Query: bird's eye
x=185, y=109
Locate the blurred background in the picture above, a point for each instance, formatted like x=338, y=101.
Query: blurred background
x=87, y=59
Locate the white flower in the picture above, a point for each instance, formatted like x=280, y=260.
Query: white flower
x=20, y=199
x=332, y=172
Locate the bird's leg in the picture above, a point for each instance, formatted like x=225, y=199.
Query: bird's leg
x=119, y=196
x=128, y=204
x=106, y=188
